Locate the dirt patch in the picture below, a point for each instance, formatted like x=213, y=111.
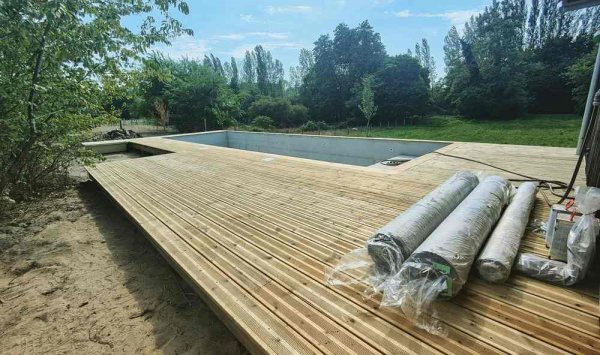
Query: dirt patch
x=77, y=277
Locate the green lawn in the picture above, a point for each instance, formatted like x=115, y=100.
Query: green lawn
x=548, y=130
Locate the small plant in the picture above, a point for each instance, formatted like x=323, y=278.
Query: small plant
x=322, y=126
x=309, y=126
x=367, y=101
x=263, y=122
x=162, y=113
x=312, y=126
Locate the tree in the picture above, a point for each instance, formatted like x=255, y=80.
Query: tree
x=61, y=62
x=452, y=49
x=298, y=73
x=216, y=65
x=320, y=91
x=332, y=86
x=198, y=97
x=513, y=58
x=264, y=122
x=427, y=62
x=162, y=113
x=295, y=81
x=367, y=101
x=489, y=80
x=550, y=90
x=262, y=69
x=533, y=39
x=248, y=66
x=278, y=78
x=578, y=77
x=307, y=61
x=235, y=77
x=401, y=89
x=283, y=113
x=227, y=71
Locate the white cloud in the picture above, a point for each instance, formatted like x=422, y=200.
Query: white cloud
x=457, y=18
x=247, y=18
x=461, y=17
x=244, y=35
x=288, y=9
x=382, y=2
x=185, y=46
x=340, y=3
x=403, y=14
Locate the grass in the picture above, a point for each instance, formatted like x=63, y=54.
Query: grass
x=545, y=130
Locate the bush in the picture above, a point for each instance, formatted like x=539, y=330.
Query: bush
x=283, y=113
x=198, y=98
x=264, y=122
x=298, y=114
x=309, y=126
x=400, y=89
x=322, y=125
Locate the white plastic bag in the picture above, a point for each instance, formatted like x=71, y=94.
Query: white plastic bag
x=581, y=245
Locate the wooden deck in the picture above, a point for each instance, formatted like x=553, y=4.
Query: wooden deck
x=253, y=233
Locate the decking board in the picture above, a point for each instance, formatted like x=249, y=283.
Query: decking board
x=254, y=234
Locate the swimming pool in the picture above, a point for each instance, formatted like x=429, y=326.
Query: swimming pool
x=345, y=150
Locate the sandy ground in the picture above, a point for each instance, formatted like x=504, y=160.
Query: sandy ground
x=77, y=277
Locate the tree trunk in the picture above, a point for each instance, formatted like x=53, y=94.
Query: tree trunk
x=16, y=166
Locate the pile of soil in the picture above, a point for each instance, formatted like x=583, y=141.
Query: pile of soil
x=77, y=277
x=117, y=134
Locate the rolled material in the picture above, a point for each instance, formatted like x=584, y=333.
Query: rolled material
x=440, y=266
x=547, y=270
x=581, y=245
x=396, y=241
x=496, y=260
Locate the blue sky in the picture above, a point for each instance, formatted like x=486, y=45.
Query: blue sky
x=229, y=28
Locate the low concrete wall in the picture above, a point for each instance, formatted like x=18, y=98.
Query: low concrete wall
x=107, y=147
x=345, y=150
x=218, y=138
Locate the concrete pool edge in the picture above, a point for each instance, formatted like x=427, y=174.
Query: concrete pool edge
x=357, y=151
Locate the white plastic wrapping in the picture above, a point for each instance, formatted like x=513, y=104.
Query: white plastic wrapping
x=581, y=245
x=440, y=266
x=496, y=260
x=546, y=270
x=395, y=242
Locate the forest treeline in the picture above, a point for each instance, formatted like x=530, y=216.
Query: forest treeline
x=514, y=58
x=67, y=66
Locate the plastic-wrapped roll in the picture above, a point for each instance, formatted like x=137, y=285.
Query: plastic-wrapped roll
x=546, y=270
x=439, y=267
x=395, y=242
x=581, y=245
x=498, y=255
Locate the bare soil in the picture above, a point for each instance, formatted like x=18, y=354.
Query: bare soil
x=77, y=277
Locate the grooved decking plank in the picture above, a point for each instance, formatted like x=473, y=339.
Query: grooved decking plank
x=247, y=318
x=254, y=256
x=507, y=340
x=265, y=227
x=317, y=277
